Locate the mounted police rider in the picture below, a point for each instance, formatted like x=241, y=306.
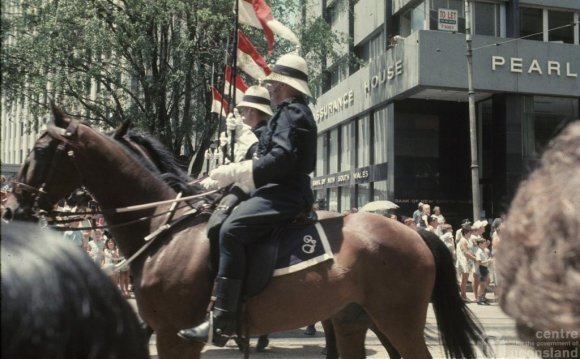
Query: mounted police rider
x=255, y=112
x=279, y=176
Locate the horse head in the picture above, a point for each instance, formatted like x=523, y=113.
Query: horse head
x=47, y=174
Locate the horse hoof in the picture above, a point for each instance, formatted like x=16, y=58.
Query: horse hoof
x=262, y=344
x=310, y=330
x=220, y=340
x=241, y=344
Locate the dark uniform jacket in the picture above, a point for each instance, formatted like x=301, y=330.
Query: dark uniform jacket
x=287, y=148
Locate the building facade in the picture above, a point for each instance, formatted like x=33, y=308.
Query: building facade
x=397, y=128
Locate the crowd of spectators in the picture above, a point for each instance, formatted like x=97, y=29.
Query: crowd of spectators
x=473, y=247
x=84, y=232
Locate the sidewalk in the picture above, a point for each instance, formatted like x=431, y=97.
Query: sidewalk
x=294, y=344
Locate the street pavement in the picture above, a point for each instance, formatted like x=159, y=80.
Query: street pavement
x=294, y=344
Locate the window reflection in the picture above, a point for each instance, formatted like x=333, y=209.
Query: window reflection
x=345, y=199
x=486, y=19
x=380, y=191
x=531, y=23
x=412, y=20
x=321, y=155
x=363, y=194
x=333, y=151
x=551, y=115
x=380, y=132
x=363, y=142
x=557, y=20
x=333, y=200
x=346, y=145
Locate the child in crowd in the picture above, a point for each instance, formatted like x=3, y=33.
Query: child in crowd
x=483, y=262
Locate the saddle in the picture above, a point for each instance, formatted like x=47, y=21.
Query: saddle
x=290, y=248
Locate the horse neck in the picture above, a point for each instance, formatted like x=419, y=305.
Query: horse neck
x=117, y=180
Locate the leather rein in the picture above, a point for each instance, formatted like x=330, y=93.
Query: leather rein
x=41, y=192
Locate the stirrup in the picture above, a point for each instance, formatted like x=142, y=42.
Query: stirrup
x=215, y=338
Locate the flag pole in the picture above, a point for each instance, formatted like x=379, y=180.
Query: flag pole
x=234, y=82
x=223, y=89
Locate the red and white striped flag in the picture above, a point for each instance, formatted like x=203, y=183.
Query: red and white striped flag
x=218, y=104
x=258, y=14
x=249, y=60
x=241, y=86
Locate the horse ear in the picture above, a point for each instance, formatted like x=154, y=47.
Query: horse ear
x=122, y=130
x=60, y=119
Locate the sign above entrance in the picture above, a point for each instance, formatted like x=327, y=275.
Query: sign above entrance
x=447, y=20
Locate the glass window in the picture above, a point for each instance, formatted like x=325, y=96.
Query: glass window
x=418, y=18
x=486, y=19
x=346, y=145
x=345, y=199
x=338, y=72
x=550, y=115
x=412, y=20
x=447, y=4
x=333, y=151
x=380, y=190
x=564, y=34
x=372, y=48
x=333, y=200
x=417, y=144
x=362, y=51
x=380, y=128
x=377, y=45
x=531, y=24
x=363, y=194
x=320, y=155
x=363, y=142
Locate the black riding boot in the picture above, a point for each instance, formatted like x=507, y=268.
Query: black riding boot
x=222, y=320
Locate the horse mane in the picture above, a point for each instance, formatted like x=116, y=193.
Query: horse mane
x=166, y=166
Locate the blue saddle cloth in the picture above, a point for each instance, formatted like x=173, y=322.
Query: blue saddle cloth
x=291, y=248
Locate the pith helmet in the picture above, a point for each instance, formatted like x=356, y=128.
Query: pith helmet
x=292, y=70
x=257, y=97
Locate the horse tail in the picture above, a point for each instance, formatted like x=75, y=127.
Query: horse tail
x=457, y=325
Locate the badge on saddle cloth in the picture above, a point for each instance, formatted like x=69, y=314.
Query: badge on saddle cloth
x=301, y=246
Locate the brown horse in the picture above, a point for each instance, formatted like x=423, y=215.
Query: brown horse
x=392, y=272
x=350, y=324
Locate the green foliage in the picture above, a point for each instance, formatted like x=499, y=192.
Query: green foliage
x=148, y=61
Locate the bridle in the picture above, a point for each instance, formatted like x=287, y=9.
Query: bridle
x=39, y=194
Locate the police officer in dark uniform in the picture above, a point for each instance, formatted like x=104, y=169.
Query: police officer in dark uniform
x=280, y=179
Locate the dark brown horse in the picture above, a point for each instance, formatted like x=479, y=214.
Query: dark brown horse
x=350, y=324
x=383, y=266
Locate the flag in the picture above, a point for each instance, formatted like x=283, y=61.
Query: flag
x=257, y=13
x=241, y=87
x=218, y=104
x=249, y=60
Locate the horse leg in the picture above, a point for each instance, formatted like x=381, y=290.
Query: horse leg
x=393, y=353
x=331, y=350
x=170, y=346
x=350, y=340
x=350, y=328
x=404, y=326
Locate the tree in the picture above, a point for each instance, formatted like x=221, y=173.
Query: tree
x=108, y=61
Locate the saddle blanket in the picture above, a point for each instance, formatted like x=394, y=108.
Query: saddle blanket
x=295, y=255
